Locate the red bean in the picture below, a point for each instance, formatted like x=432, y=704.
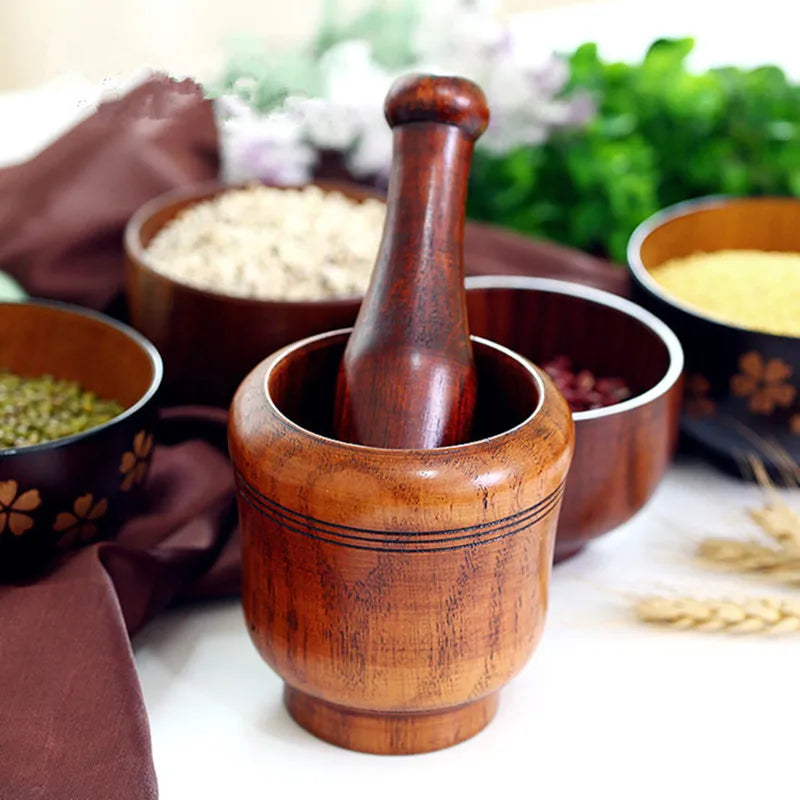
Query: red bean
x=581, y=388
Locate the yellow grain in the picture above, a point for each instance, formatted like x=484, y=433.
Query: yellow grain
x=753, y=289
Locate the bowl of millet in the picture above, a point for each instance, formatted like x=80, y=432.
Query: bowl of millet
x=77, y=414
x=619, y=368
x=724, y=274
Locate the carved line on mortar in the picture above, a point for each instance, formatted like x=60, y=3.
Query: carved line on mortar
x=334, y=527
x=473, y=535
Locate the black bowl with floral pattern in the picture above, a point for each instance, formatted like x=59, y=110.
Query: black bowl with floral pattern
x=742, y=388
x=61, y=494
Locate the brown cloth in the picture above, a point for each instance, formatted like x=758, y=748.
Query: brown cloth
x=62, y=213
x=489, y=250
x=72, y=720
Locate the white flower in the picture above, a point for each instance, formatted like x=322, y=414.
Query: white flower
x=326, y=125
x=551, y=75
x=371, y=155
x=521, y=80
x=519, y=77
x=350, y=74
x=456, y=34
x=352, y=78
x=266, y=147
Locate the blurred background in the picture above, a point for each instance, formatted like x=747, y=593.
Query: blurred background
x=603, y=111
x=43, y=39
x=97, y=38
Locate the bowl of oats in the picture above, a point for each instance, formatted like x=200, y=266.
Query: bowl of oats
x=219, y=276
x=724, y=274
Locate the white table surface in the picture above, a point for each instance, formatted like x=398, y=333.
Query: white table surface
x=606, y=707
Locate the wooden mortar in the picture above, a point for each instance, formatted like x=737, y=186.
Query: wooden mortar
x=395, y=591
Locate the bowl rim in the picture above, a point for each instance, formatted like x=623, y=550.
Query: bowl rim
x=609, y=300
x=685, y=208
x=544, y=388
x=145, y=344
x=200, y=192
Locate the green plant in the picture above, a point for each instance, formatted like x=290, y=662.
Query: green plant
x=661, y=135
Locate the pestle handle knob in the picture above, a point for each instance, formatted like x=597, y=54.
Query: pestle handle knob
x=433, y=98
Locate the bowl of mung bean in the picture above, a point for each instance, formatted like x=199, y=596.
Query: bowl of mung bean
x=724, y=274
x=77, y=415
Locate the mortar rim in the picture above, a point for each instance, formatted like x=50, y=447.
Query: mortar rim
x=543, y=385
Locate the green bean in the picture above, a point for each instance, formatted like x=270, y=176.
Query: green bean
x=44, y=408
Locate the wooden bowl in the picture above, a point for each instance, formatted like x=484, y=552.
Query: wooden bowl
x=395, y=591
x=210, y=341
x=621, y=451
x=73, y=490
x=737, y=380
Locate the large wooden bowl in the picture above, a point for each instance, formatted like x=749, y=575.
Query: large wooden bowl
x=622, y=451
x=210, y=341
x=71, y=491
x=395, y=591
x=742, y=386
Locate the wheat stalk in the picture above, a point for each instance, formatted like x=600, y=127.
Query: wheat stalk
x=780, y=522
x=780, y=558
x=782, y=460
x=776, y=518
x=749, y=556
x=760, y=615
x=777, y=521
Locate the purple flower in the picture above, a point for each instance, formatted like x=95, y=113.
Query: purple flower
x=551, y=77
x=581, y=108
x=268, y=148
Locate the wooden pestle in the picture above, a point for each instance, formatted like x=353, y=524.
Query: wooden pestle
x=407, y=379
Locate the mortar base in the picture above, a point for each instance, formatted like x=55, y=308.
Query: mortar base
x=391, y=733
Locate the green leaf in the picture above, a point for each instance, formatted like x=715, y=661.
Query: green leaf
x=662, y=134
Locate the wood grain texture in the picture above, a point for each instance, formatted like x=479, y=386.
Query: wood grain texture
x=442, y=100
x=622, y=452
x=749, y=223
x=43, y=338
x=408, y=374
x=392, y=588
